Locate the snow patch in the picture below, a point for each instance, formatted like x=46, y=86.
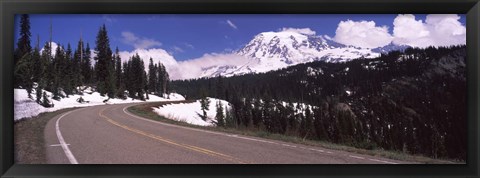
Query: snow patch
x=189, y=112
x=27, y=108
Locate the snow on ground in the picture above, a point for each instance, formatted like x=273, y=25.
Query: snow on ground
x=188, y=112
x=26, y=107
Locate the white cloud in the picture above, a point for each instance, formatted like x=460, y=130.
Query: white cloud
x=437, y=30
x=193, y=68
x=138, y=42
x=157, y=55
x=183, y=69
x=362, y=34
x=177, y=49
x=231, y=24
x=305, y=31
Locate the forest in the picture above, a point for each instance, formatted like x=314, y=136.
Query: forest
x=66, y=71
x=412, y=101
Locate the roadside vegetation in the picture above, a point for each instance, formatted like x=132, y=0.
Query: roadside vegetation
x=146, y=111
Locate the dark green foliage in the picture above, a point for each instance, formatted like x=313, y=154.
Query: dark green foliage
x=24, y=72
x=119, y=76
x=152, y=76
x=103, y=65
x=78, y=59
x=204, y=104
x=86, y=67
x=23, y=53
x=38, y=92
x=135, y=77
x=220, y=116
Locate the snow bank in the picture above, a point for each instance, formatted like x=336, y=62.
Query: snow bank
x=26, y=107
x=188, y=112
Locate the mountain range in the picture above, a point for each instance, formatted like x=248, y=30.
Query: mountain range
x=269, y=51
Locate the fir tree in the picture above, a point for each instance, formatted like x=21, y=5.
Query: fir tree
x=87, y=66
x=77, y=64
x=103, y=60
x=204, y=104
x=23, y=52
x=220, y=116
x=152, y=77
x=119, y=75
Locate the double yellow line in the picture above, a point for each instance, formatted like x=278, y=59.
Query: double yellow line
x=185, y=146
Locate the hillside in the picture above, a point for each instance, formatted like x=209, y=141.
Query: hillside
x=412, y=101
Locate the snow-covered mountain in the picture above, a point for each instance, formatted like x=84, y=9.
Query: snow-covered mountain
x=274, y=50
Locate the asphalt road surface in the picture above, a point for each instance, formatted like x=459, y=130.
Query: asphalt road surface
x=108, y=134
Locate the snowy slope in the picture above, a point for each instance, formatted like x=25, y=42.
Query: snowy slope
x=25, y=107
x=275, y=50
x=188, y=112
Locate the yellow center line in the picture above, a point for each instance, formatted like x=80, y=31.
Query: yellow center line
x=185, y=146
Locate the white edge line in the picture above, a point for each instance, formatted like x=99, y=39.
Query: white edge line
x=358, y=157
x=382, y=161
x=58, y=144
x=65, y=148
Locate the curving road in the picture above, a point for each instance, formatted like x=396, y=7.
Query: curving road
x=108, y=134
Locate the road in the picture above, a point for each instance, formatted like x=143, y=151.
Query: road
x=108, y=134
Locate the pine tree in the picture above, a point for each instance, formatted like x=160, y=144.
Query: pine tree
x=68, y=79
x=152, y=77
x=112, y=78
x=23, y=51
x=87, y=66
x=103, y=60
x=77, y=64
x=204, y=104
x=163, y=78
x=37, y=63
x=48, y=68
x=229, y=120
x=57, y=65
x=38, y=92
x=119, y=75
x=219, y=116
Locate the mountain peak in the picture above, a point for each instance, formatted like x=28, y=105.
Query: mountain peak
x=275, y=50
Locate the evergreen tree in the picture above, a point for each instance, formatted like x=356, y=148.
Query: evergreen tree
x=220, y=116
x=38, y=92
x=152, y=77
x=87, y=66
x=204, y=104
x=23, y=51
x=48, y=72
x=119, y=75
x=58, y=69
x=68, y=80
x=77, y=64
x=38, y=65
x=103, y=63
x=163, y=78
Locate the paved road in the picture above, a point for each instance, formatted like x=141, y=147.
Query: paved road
x=108, y=134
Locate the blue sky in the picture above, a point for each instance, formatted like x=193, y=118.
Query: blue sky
x=187, y=36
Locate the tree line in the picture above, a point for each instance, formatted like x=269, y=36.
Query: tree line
x=69, y=71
